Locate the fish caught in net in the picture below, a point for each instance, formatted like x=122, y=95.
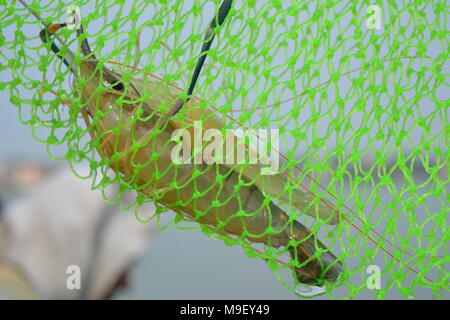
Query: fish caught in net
x=311, y=134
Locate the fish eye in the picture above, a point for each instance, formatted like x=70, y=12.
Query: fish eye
x=118, y=86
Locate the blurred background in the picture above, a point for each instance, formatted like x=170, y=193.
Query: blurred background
x=51, y=219
x=173, y=264
x=176, y=264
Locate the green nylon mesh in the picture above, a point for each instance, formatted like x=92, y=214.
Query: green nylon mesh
x=372, y=141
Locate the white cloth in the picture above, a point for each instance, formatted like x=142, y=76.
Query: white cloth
x=55, y=227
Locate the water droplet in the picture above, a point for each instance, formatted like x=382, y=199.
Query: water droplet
x=309, y=291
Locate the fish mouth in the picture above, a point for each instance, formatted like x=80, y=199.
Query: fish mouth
x=318, y=271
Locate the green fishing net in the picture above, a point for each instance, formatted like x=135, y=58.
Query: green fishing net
x=358, y=91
